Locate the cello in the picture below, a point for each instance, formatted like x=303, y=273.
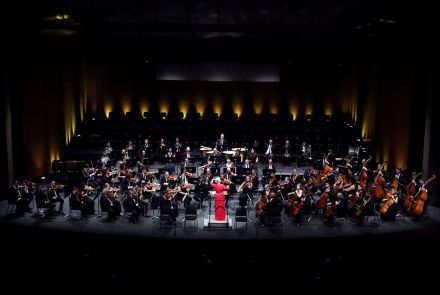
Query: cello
x=387, y=202
x=410, y=191
x=323, y=199
x=420, y=199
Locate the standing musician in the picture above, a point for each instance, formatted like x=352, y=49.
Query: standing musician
x=54, y=195
x=188, y=153
x=253, y=156
x=219, y=200
x=221, y=143
x=287, y=150
x=270, y=149
x=147, y=147
x=246, y=191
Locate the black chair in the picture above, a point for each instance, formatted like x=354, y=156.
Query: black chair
x=240, y=216
x=191, y=214
x=164, y=217
x=276, y=219
x=72, y=207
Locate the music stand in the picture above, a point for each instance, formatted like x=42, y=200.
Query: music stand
x=268, y=172
x=191, y=169
x=246, y=171
x=215, y=159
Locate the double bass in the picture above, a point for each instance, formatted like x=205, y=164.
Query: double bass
x=420, y=199
x=326, y=169
x=410, y=191
x=363, y=176
x=377, y=189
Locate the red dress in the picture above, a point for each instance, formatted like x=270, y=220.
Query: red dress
x=219, y=200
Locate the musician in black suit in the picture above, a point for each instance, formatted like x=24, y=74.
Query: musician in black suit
x=54, y=196
x=168, y=205
x=132, y=205
x=274, y=206
x=110, y=204
x=270, y=148
x=221, y=143
x=42, y=200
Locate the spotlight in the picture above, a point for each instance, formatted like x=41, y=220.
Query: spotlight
x=358, y=139
x=146, y=115
x=43, y=177
x=163, y=116
x=93, y=119
x=309, y=118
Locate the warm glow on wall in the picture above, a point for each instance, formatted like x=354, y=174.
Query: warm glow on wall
x=293, y=110
x=126, y=105
x=217, y=106
x=108, y=107
x=54, y=153
x=273, y=108
x=328, y=109
x=309, y=109
x=164, y=106
x=184, y=107
x=200, y=105
x=258, y=105
x=143, y=106
x=237, y=106
x=368, y=122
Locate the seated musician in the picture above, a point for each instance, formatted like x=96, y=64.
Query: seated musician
x=270, y=165
x=270, y=149
x=54, y=195
x=246, y=191
x=228, y=176
x=17, y=197
x=110, y=204
x=273, y=208
x=229, y=164
x=132, y=205
x=42, y=200
x=168, y=204
x=85, y=203
x=253, y=156
x=287, y=152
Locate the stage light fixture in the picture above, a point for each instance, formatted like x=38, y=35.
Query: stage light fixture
x=163, y=115
x=309, y=118
x=146, y=115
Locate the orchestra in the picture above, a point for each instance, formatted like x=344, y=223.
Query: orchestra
x=328, y=190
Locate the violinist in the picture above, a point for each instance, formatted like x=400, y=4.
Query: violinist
x=246, y=191
x=85, y=203
x=109, y=203
x=54, y=195
x=167, y=180
x=184, y=177
x=229, y=164
x=228, y=180
x=254, y=178
x=183, y=193
x=168, y=204
x=295, y=177
x=43, y=202
x=132, y=205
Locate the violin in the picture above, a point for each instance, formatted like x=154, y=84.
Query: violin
x=188, y=174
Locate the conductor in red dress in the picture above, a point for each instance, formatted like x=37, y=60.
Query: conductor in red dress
x=219, y=200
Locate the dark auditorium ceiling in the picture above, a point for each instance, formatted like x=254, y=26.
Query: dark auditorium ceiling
x=157, y=24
